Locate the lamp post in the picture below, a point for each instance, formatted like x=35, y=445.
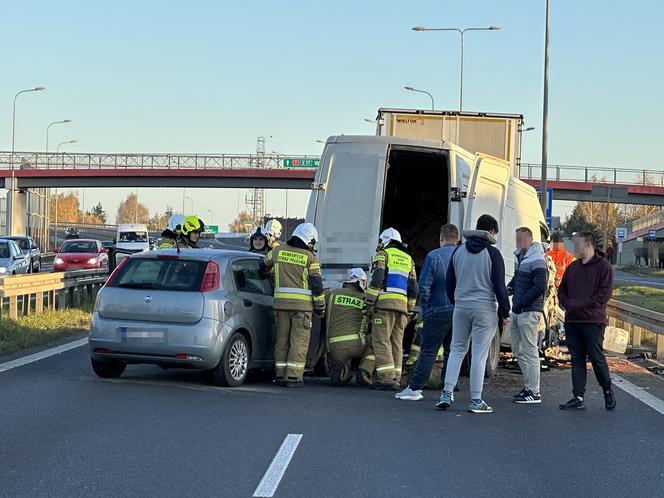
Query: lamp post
x=411, y=89
x=11, y=160
x=545, y=112
x=48, y=204
x=462, y=32
x=57, y=150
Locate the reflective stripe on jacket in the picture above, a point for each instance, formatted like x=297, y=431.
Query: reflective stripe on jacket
x=393, y=283
x=297, y=279
x=346, y=322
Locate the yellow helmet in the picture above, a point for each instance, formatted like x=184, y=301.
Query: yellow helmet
x=192, y=224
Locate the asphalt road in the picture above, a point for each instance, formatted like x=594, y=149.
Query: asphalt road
x=622, y=277
x=169, y=433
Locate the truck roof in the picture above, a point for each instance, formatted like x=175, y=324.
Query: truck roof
x=395, y=140
x=383, y=110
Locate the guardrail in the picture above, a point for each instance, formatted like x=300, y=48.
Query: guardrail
x=619, y=176
x=639, y=317
x=26, y=293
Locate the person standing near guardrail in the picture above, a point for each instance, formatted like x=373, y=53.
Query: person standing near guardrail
x=584, y=293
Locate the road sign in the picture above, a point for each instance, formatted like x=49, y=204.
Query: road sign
x=549, y=204
x=652, y=234
x=212, y=228
x=621, y=233
x=248, y=224
x=294, y=162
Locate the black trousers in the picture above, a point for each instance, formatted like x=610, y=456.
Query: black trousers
x=584, y=341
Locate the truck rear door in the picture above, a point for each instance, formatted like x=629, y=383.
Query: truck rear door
x=487, y=193
x=346, y=207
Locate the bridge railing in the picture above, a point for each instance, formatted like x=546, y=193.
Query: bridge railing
x=66, y=160
x=619, y=176
x=646, y=221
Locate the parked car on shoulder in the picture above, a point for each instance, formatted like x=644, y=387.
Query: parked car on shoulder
x=202, y=309
x=12, y=260
x=29, y=249
x=80, y=254
x=72, y=233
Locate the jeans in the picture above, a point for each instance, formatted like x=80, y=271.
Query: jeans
x=524, y=332
x=481, y=326
x=585, y=340
x=437, y=331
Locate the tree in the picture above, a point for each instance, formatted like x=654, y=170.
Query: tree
x=132, y=211
x=159, y=221
x=592, y=216
x=98, y=212
x=64, y=208
x=244, y=223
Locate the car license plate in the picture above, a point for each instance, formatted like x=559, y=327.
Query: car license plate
x=142, y=335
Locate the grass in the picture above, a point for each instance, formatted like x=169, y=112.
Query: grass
x=640, y=270
x=33, y=330
x=638, y=295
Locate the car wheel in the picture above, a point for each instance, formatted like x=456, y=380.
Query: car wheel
x=493, y=358
x=234, y=364
x=108, y=369
x=29, y=270
x=37, y=269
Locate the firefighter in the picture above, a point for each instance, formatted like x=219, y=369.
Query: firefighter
x=258, y=241
x=192, y=228
x=561, y=257
x=298, y=291
x=390, y=298
x=273, y=231
x=348, y=331
x=170, y=235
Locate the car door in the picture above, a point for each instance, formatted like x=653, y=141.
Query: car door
x=21, y=262
x=255, y=301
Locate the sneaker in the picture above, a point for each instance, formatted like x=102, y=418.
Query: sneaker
x=445, y=401
x=410, y=395
x=479, y=407
x=528, y=397
x=520, y=393
x=609, y=399
x=384, y=386
x=294, y=383
x=280, y=382
x=575, y=403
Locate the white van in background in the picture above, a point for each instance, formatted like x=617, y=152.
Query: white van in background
x=365, y=184
x=133, y=236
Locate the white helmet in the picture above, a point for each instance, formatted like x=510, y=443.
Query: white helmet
x=273, y=228
x=357, y=275
x=388, y=235
x=175, y=222
x=307, y=233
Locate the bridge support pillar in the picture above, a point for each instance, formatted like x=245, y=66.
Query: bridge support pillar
x=16, y=211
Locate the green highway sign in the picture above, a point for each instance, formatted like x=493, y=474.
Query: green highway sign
x=213, y=228
x=294, y=162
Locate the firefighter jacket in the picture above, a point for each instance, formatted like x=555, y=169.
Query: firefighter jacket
x=393, y=283
x=346, y=322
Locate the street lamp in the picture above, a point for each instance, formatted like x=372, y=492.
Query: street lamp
x=545, y=113
x=13, y=186
x=320, y=141
x=57, y=149
x=48, y=128
x=530, y=128
x=48, y=202
x=411, y=89
x=461, y=31
x=192, y=203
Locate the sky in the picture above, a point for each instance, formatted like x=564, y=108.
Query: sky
x=211, y=76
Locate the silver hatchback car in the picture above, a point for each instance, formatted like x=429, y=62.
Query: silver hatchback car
x=204, y=309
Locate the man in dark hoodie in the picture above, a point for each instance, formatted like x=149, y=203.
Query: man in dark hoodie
x=475, y=285
x=583, y=293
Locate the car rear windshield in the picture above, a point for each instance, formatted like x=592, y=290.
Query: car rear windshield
x=4, y=250
x=133, y=237
x=160, y=274
x=85, y=247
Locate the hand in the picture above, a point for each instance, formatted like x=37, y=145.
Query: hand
x=506, y=322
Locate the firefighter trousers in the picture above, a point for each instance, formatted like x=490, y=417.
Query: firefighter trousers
x=291, y=344
x=346, y=357
x=387, y=341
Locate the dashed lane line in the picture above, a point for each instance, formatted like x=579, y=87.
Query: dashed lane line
x=643, y=396
x=270, y=482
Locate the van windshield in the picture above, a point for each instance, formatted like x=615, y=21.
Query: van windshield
x=160, y=274
x=133, y=237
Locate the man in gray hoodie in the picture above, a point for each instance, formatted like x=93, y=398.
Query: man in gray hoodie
x=480, y=298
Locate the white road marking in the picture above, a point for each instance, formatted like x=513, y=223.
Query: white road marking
x=31, y=358
x=647, y=398
x=268, y=485
x=184, y=385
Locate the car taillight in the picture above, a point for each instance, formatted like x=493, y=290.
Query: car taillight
x=110, y=279
x=211, y=277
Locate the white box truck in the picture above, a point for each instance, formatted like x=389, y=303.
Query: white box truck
x=498, y=135
x=367, y=183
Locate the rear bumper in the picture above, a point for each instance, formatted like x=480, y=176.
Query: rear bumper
x=203, y=341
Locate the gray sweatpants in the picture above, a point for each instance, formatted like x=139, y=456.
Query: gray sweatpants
x=481, y=327
x=524, y=332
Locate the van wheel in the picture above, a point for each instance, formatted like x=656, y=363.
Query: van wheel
x=108, y=369
x=234, y=364
x=493, y=358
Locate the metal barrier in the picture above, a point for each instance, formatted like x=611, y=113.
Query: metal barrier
x=61, y=290
x=618, y=176
x=639, y=317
